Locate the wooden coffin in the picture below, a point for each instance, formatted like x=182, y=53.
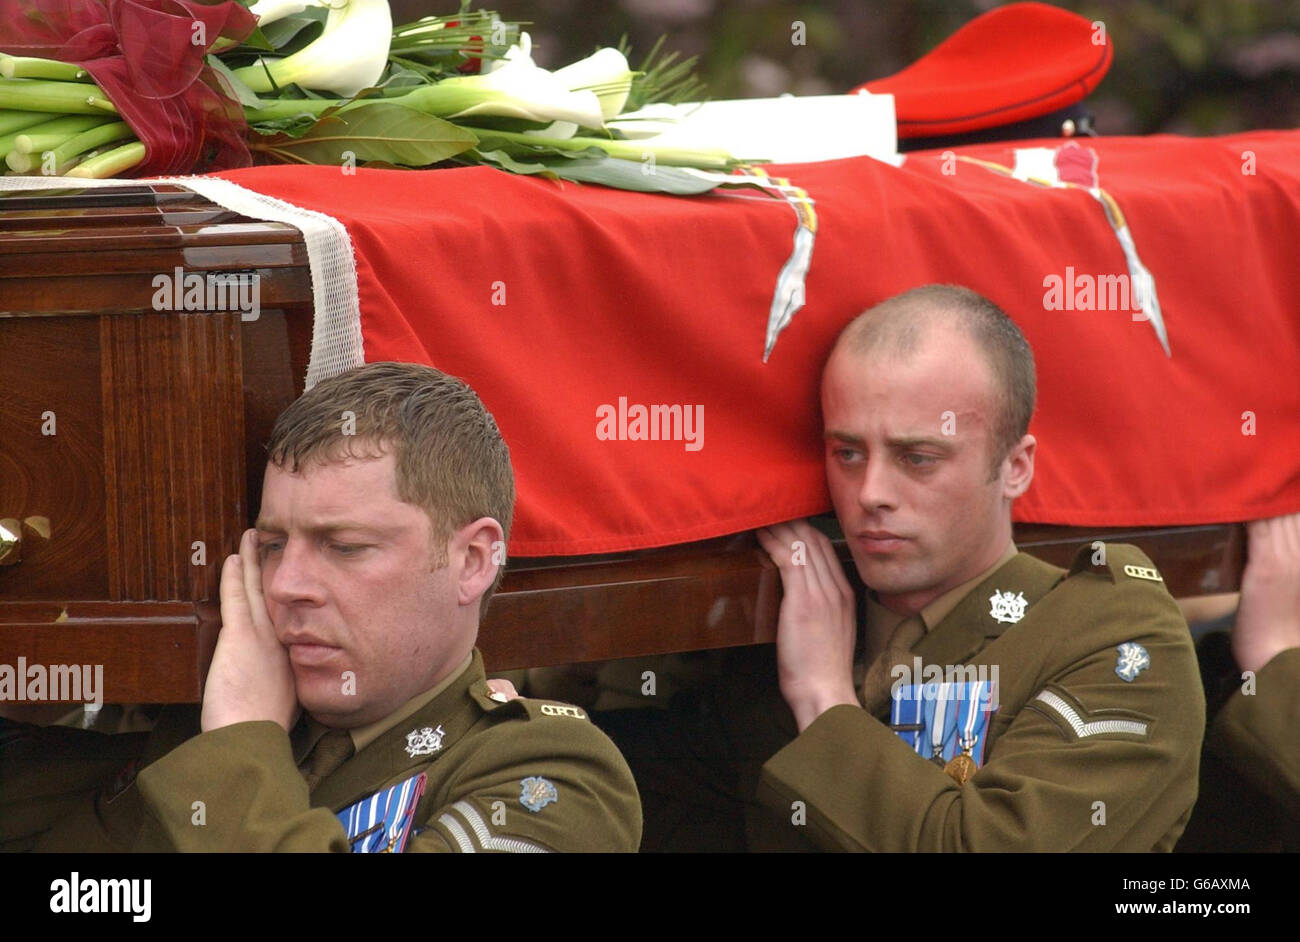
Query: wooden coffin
x=138, y=434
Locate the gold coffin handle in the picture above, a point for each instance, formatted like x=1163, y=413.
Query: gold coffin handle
x=11, y=542
x=11, y=537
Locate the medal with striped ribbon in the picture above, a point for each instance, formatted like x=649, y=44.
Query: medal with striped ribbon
x=962, y=766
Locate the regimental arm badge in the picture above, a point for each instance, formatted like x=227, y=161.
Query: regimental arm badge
x=424, y=742
x=1133, y=660
x=1007, y=608
x=536, y=793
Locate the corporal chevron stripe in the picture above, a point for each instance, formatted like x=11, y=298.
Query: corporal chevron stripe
x=463, y=843
x=482, y=834
x=1092, y=727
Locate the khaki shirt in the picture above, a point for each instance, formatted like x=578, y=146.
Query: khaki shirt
x=56, y=793
x=1256, y=733
x=1077, y=757
x=881, y=621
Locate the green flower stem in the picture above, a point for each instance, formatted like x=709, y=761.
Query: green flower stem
x=89, y=140
x=60, y=125
x=22, y=67
x=18, y=163
x=12, y=121
x=627, y=150
x=444, y=99
x=59, y=97
x=52, y=133
x=278, y=108
x=110, y=163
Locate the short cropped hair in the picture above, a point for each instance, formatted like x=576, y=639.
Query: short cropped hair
x=450, y=458
x=897, y=325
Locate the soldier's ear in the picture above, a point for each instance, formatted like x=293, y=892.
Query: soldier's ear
x=1018, y=468
x=475, y=551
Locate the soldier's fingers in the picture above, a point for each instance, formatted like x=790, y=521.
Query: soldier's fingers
x=252, y=572
x=824, y=569
x=828, y=565
x=1288, y=536
x=501, y=687
x=836, y=568
x=769, y=543
x=234, y=604
x=777, y=540
x=804, y=550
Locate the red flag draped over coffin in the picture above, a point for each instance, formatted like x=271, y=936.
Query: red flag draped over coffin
x=558, y=301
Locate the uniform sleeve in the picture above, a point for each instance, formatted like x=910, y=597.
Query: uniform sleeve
x=548, y=784
x=50, y=774
x=1091, y=762
x=233, y=789
x=1256, y=733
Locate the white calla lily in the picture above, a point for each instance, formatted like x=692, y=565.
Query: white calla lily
x=523, y=49
x=268, y=11
x=517, y=88
x=348, y=56
x=605, y=73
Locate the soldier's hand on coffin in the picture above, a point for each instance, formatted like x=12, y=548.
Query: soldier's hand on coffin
x=1268, y=619
x=816, y=628
x=502, y=689
x=250, y=677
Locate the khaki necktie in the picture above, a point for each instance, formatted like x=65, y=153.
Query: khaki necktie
x=898, y=650
x=333, y=749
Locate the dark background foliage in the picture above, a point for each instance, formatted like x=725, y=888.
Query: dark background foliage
x=1181, y=66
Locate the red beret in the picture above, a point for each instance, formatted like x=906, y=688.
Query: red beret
x=1017, y=62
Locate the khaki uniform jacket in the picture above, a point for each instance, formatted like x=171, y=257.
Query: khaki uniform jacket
x=1257, y=733
x=253, y=798
x=1059, y=773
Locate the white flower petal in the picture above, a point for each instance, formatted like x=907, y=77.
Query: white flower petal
x=268, y=11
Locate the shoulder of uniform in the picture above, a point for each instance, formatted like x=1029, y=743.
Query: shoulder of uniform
x=525, y=707
x=559, y=734
x=1118, y=562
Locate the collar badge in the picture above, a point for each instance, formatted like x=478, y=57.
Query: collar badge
x=424, y=742
x=1007, y=608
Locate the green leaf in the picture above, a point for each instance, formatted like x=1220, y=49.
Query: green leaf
x=292, y=125
x=532, y=150
x=401, y=76
x=257, y=40
x=292, y=33
x=660, y=77
x=503, y=160
x=380, y=131
x=607, y=171
x=242, y=93
x=632, y=175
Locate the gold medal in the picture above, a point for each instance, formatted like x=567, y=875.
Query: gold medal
x=961, y=767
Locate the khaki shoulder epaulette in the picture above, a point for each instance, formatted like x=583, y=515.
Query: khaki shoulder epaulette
x=1115, y=561
x=533, y=709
